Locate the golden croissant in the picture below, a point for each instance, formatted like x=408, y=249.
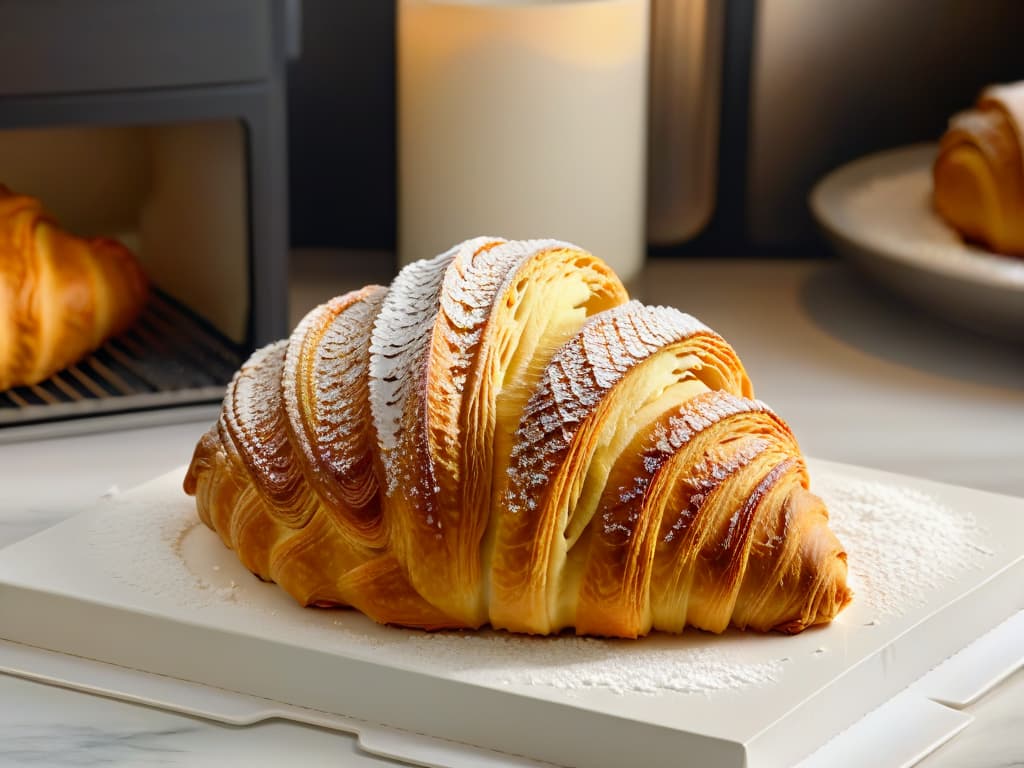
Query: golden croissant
x=503, y=438
x=61, y=296
x=979, y=171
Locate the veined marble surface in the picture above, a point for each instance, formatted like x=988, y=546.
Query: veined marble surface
x=42, y=725
x=861, y=380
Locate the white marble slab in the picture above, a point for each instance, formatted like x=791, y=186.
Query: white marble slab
x=43, y=725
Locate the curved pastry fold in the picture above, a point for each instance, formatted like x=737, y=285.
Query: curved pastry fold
x=61, y=296
x=287, y=475
x=979, y=171
x=502, y=437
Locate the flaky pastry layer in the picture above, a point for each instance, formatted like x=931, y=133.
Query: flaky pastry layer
x=501, y=437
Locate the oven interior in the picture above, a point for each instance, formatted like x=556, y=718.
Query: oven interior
x=178, y=196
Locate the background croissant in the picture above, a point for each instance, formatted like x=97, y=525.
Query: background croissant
x=502, y=437
x=979, y=171
x=60, y=296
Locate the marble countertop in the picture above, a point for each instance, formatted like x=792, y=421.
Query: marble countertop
x=860, y=378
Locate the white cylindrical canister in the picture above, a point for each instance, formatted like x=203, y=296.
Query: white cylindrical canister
x=523, y=119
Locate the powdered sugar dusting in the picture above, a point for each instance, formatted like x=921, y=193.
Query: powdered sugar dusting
x=902, y=544
x=291, y=385
x=647, y=666
x=700, y=413
x=255, y=419
x=326, y=398
x=462, y=284
x=476, y=279
x=607, y=346
x=467, y=296
x=138, y=539
x=252, y=413
x=143, y=551
x=399, y=341
x=668, y=437
x=340, y=383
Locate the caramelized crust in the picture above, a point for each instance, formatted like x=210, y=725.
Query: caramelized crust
x=288, y=472
x=595, y=390
x=437, y=375
x=501, y=437
x=979, y=171
x=326, y=396
x=61, y=296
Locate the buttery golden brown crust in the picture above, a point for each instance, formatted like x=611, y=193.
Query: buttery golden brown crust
x=287, y=475
x=325, y=393
x=589, y=395
x=979, y=171
x=502, y=438
x=444, y=336
x=61, y=296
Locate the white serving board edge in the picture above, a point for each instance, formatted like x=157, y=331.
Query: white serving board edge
x=507, y=721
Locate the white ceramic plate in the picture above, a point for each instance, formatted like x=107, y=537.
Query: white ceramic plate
x=877, y=211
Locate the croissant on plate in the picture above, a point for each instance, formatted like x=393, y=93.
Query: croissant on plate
x=979, y=171
x=502, y=437
x=61, y=296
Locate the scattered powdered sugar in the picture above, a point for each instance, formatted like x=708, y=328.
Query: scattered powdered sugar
x=644, y=666
x=142, y=548
x=902, y=544
x=693, y=417
x=699, y=413
x=139, y=542
x=477, y=279
x=330, y=414
x=227, y=593
x=401, y=333
x=603, y=351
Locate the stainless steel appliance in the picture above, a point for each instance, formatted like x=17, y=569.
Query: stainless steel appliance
x=161, y=123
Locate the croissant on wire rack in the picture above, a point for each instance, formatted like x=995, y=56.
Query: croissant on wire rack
x=61, y=296
x=502, y=437
x=979, y=171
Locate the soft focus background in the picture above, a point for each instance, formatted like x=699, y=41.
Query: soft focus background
x=807, y=85
x=250, y=152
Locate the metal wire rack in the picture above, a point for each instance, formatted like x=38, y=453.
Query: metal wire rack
x=168, y=357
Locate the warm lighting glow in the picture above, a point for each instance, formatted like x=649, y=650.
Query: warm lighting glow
x=523, y=119
x=581, y=33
